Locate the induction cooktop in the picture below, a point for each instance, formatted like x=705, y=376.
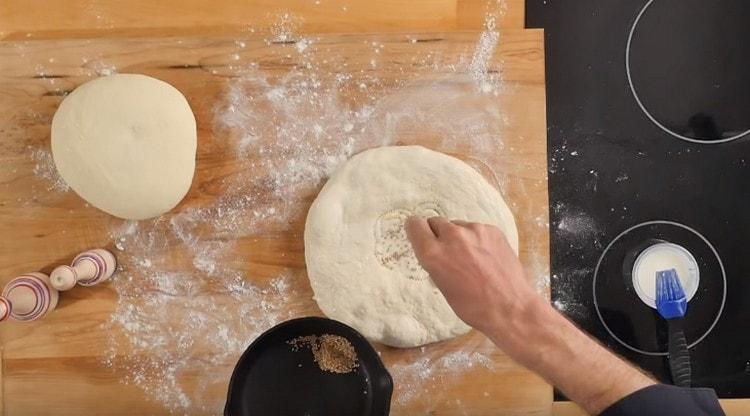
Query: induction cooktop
x=648, y=109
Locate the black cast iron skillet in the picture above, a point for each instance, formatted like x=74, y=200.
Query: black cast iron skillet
x=272, y=380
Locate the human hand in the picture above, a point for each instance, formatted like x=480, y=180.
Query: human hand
x=475, y=268
x=483, y=281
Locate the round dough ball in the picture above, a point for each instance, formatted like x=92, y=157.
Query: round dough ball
x=361, y=265
x=126, y=144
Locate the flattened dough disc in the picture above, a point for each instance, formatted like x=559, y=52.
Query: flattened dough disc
x=126, y=144
x=360, y=264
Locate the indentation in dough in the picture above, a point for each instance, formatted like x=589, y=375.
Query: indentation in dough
x=392, y=248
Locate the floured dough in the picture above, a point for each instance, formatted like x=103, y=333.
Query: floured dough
x=126, y=144
x=361, y=265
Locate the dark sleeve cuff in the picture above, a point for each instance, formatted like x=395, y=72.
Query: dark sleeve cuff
x=665, y=400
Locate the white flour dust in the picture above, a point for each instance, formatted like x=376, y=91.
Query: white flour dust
x=432, y=375
x=578, y=225
x=176, y=323
x=290, y=136
x=577, y=228
x=292, y=132
x=100, y=68
x=44, y=168
x=569, y=294
x=285, y=27
x=486, y=81
x=285, y=131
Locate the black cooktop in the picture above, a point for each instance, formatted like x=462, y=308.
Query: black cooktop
x=648, y=109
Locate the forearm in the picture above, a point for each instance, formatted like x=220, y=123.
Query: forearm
x=476, y=269
x=544, y=341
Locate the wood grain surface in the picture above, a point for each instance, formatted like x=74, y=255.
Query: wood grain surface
x=55, y=366
x=41, y=19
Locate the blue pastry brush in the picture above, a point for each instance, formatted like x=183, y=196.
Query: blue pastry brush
x=671, y=303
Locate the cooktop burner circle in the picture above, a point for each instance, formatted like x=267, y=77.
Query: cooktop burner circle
x=686, y=66
x=636, y=325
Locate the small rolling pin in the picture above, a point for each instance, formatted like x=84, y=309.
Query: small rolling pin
x=4, y=309
x=87, y=269
x=28, y=297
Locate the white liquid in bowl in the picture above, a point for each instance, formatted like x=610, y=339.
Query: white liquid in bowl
x=664, y=256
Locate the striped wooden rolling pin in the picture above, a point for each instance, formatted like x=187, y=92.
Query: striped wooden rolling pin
x=87, y=269
x=29, y=297
x=4, y=308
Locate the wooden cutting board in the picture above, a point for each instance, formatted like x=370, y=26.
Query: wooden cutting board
x=62, y=365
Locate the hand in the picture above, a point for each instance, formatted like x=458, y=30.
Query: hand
x=483, y=281
x=475, y=268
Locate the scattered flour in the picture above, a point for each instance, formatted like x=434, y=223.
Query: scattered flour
x=285, y=28
x=577, y=224
x=568, y=294
x=174, y=325
x=429, y=375
x=294, y=131
x=488, y=82
x=101, y=68
x=44, y=168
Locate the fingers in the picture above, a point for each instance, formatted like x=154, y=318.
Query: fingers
x=420, y=234
x=440, y=226
x=477, y=228
x=466, y=224
x=422, y=231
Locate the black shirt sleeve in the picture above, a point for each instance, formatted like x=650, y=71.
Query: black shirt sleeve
x=665, y=400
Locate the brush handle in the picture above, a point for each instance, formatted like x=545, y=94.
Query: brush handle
x=679, y=356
